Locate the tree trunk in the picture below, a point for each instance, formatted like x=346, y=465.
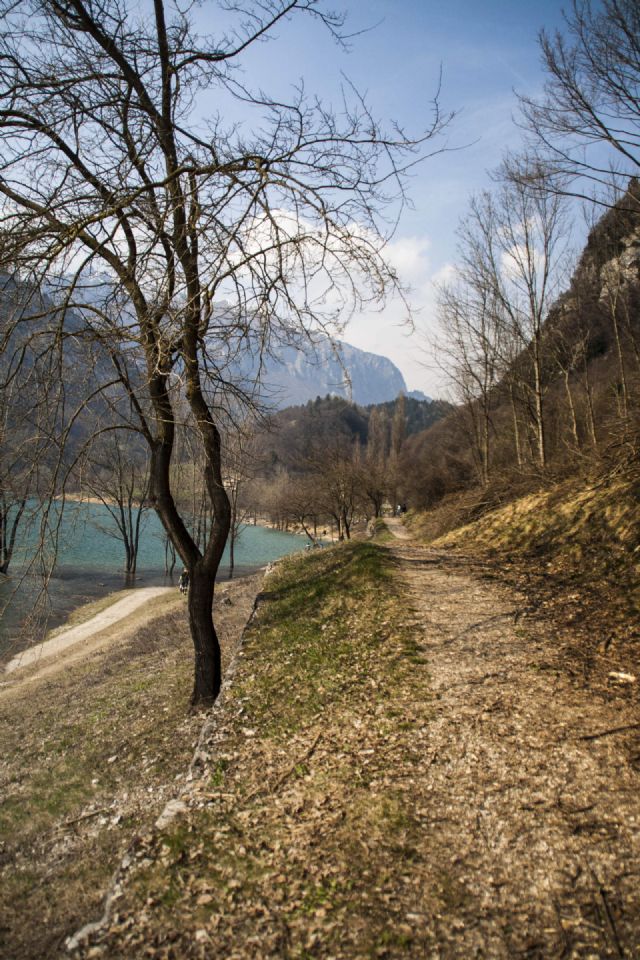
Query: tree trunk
x=169, y=556
x=590, y=411
x=541, y=445
x=8, y=532
x=207, y=662
x=623, y=394
x=516, y=427
x=572, y=410
x=486, y=445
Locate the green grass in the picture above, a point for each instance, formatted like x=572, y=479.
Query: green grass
x=315, y=612
x=382, y=534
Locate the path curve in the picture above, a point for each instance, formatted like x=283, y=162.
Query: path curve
x=397, y=528
x=84, y=631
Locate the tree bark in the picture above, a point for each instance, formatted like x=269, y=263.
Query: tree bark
x=572, y=409
x=516, y=427
x=207, y=660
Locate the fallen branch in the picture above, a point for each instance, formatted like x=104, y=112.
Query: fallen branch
x=85, y=816
x=305, y=756
x=608, y=733
x=285, y=776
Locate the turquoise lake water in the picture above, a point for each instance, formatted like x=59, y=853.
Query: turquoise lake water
x=90, y=564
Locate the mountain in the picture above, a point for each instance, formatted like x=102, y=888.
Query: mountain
x=294, y=374
x=328, y=369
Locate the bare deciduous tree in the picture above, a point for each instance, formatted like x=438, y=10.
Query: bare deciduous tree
x=516, y=251
x=118, y=476
x=471, y=352
x=588, y=121
x=182, y=242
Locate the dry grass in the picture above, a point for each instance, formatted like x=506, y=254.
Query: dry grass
x=575, y=549
x=298, y=830
x=395, y=772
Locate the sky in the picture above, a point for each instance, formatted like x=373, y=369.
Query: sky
x=483, y=52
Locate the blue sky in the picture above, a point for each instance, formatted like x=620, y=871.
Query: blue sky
x=485, y=50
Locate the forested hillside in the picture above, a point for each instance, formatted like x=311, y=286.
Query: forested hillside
x=331, y=461
x=296, y=433
x=567, y=400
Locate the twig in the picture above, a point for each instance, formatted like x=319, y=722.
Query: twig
x=608, y=733
x=610, y=922
x=306, y=755
x=85, y=816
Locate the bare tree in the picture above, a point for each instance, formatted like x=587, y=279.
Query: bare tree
x=588, y=122
x=181, y=243
x=336, y=472
x=16, y=478
x=516, y=251
x=118, y=476
x=302, y=505
x=373, y=483
x=239, y=468
x=378, y=440
x=29, y=408
x=471, y=352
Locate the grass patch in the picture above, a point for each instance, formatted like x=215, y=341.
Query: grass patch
x=323, y=618
x=382, y=534
x=299, y=839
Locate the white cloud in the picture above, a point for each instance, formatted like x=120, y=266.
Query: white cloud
x=388, y=333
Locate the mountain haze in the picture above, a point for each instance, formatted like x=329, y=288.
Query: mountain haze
x=335, y=369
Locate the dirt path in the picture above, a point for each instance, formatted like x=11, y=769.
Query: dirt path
x=450, y=793
x=528, y=793
x=397, y=528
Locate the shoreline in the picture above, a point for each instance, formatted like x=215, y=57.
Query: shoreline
x=63, y=640
x=113, y=590
x=109, y=628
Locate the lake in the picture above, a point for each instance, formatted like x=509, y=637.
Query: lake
x=90, y=565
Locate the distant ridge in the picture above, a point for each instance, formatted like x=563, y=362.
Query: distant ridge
x=290, y=376
x=330, y=369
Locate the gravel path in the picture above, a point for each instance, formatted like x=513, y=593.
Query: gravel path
x=87, y=630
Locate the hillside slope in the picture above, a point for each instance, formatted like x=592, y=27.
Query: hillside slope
x=567, y=399
x=575, y=548
x=394, y=772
